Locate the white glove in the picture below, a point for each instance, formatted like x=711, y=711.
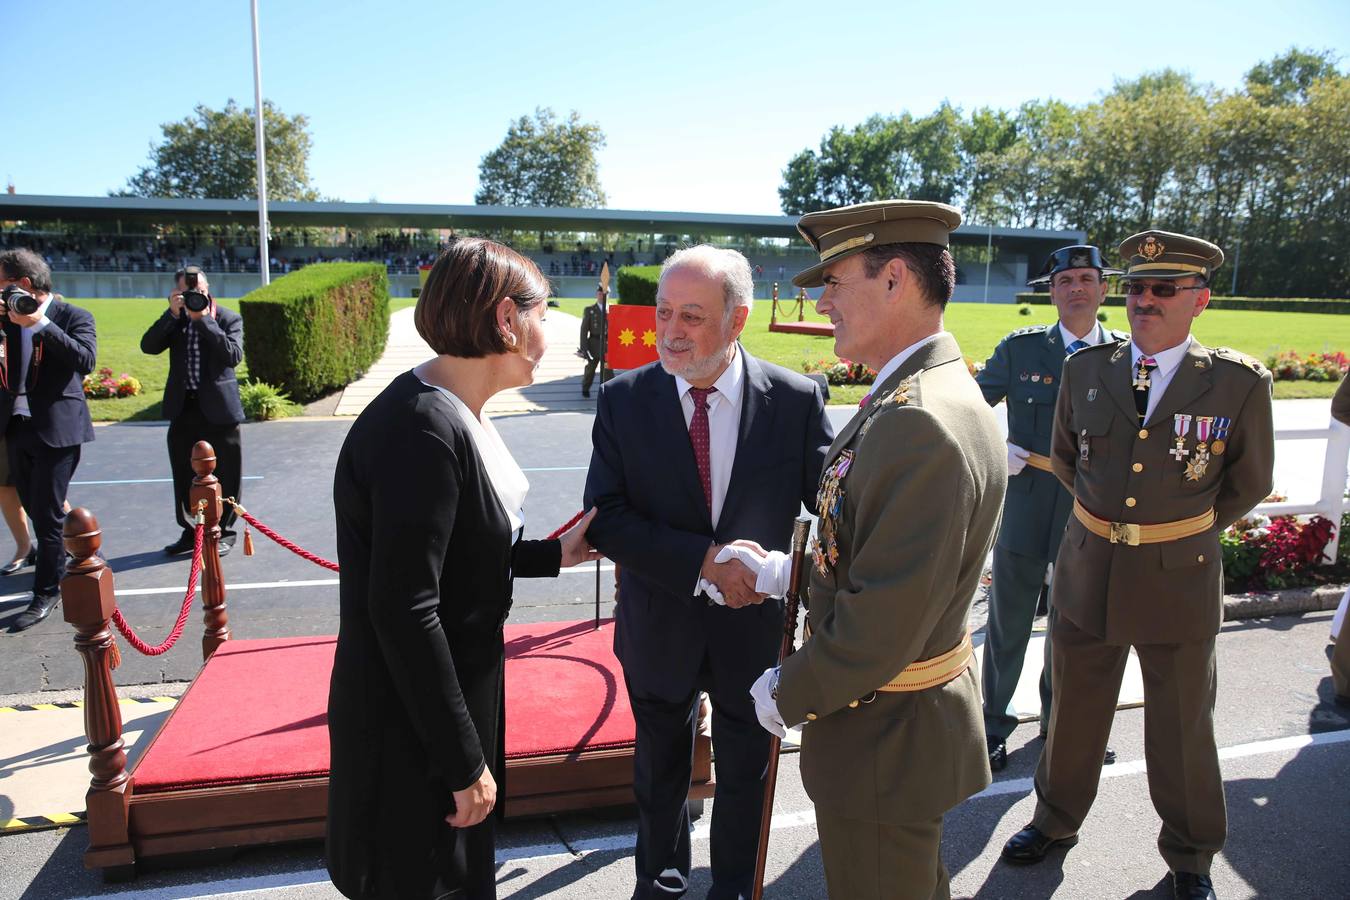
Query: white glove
x=771, y=572
x=766, y=707
x=707, y=587
x=1017, y=458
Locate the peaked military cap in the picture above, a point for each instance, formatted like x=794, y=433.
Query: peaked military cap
x=1079, y=256
x=839, y=233
x=1162, y=254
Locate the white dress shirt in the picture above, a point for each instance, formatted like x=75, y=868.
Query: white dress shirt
x=1094, y=336
x=20, y=387
x=724, y=425
x=898, y=359
x=1168, y=361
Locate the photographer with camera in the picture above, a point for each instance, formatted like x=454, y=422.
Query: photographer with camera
x=201, y=397
x=49, y=346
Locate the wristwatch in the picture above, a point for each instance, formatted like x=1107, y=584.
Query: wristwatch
x=773, y=683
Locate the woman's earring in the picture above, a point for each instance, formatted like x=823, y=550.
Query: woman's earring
x=510, y=338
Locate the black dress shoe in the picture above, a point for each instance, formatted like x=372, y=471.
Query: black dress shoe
x=998, y=753
x=1031, y=844
x=184, y=544
x=40, y=608
x=224, y=546
x=10, y=568
x=1189, y=886
x=1110, y=757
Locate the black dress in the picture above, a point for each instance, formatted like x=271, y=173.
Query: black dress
x=416, y=706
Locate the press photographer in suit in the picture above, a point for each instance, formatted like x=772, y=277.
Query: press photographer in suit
x=201, y=398
x=49, y=346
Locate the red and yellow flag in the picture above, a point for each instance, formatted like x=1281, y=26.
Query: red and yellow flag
x=632, y=336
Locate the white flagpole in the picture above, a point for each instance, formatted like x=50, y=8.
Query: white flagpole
x=263, y=256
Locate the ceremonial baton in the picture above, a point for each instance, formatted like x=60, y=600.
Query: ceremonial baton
x=795, y=594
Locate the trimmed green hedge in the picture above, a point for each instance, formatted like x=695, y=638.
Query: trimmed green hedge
x=318, y=328
x=637, y=285
x=1266, y=304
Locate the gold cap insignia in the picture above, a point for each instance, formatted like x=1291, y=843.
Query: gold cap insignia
x=1151, y=248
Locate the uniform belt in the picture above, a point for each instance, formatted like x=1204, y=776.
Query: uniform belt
x=927, y=673
x=1134, y=535
x=1037, y=461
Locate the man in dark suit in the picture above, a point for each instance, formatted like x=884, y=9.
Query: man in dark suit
x=706, y=446
x=201, y=397
x=43, y=411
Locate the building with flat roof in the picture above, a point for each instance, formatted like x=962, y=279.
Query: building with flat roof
x=130, y=246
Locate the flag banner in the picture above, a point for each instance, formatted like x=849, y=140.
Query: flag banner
x=632, y=336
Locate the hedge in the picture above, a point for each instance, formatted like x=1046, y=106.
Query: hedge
x=318, y=328
x=637, y=285
x=1266, y=304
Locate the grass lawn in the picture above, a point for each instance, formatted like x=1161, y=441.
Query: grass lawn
x=979, y=327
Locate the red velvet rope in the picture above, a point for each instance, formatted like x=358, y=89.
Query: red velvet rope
x=134, y=640
x=332, y=566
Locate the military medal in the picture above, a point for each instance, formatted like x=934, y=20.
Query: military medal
x=1024, y=376
x=1181, y=426
x=1083, y=446
x=1141, y=379
x=1221, y=426
x=1036, y=378
x=830, y=503
x=1048, y=379
x=1195, y=470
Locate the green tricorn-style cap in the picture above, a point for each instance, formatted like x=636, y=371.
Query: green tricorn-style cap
x=1162, y=254
x=838, y=233
x=1079, y=256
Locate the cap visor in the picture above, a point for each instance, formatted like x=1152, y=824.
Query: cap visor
x=1160, y=273
x=808, y=278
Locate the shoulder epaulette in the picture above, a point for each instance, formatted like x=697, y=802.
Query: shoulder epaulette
x=1240, y=358
x=1104, y=345
x=1118, y=335
x=1030, y=329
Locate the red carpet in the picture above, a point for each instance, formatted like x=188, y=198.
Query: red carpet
x=257, y=710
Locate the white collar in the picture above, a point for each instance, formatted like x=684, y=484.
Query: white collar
x=1167, y=360
x=898, y=359
x=1095, y=335
x=728, y=384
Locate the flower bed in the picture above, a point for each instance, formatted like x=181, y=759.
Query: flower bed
x=102, y=385
x=844, y=371
x=1261, y=553
x=1290, y=366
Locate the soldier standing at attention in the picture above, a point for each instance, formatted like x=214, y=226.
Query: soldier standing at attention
x=909, y=502
x=1164, y=443
x=1025, y=371
x=592, y=344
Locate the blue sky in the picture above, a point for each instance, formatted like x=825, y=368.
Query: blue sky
x=703, y=103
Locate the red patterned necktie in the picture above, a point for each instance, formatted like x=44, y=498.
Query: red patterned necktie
x=698, y=436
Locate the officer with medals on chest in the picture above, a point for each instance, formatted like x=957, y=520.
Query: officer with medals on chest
x=1164, y=443
x=1025, y=371
x=909, y=502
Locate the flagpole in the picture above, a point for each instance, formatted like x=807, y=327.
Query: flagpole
x=264, y=257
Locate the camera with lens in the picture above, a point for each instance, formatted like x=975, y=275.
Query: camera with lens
x=194, y=299
x=19, y=300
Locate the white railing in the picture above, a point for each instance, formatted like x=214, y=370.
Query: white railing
x=1331, y=499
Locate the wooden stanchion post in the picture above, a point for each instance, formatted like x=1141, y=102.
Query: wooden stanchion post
x=206, y=487
x=88, y=602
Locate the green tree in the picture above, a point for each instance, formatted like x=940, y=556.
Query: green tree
x=544, y=162
x=213, y=153
x=1288, y=77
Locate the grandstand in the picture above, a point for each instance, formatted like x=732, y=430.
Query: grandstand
x=130, y=246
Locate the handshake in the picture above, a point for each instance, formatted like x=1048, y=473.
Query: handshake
x=743, y=573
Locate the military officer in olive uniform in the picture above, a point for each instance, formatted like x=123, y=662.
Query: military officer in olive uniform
x=911, y=494
x=1164, y=443
x=592, y=343
x=1025, y=371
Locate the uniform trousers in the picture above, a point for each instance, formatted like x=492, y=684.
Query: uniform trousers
x=1180, y=686
x=42, y=476
x=1340, y=660
x=185, y=430
x=663, y=766
x=1013, y=596
x=874, y=861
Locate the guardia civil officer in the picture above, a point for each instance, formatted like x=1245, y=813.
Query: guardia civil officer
x=909, y=501
x=1164, y=443
x=1025, y=371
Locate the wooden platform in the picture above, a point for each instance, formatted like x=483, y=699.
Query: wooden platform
x=817, y=329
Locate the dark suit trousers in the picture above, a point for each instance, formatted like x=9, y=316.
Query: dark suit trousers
x=1013, y=596
x=42, y=475
x=663, y=764
x=186, y=429
x=1180, y=686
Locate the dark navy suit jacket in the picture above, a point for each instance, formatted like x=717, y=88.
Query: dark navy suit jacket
x=654, y=523
x=221, y=342
x=63, y=353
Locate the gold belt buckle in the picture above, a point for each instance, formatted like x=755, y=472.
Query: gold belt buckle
x=1125, y=533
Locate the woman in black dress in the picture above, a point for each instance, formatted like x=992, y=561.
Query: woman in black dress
x=428, y=504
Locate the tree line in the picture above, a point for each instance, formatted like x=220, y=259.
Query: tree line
x=1263, y=170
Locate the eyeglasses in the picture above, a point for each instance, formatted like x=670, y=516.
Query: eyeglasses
x=1161, y=289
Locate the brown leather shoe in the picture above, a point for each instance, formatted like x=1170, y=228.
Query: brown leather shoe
x=1030, y=845
x=1189, y=886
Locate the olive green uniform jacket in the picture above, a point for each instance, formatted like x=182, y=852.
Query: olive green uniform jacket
x=919, y=508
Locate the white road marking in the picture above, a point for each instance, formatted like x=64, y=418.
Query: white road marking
x=151, y=480
x=261, y=885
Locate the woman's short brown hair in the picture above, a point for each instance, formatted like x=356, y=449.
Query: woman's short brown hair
x=455, y=312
